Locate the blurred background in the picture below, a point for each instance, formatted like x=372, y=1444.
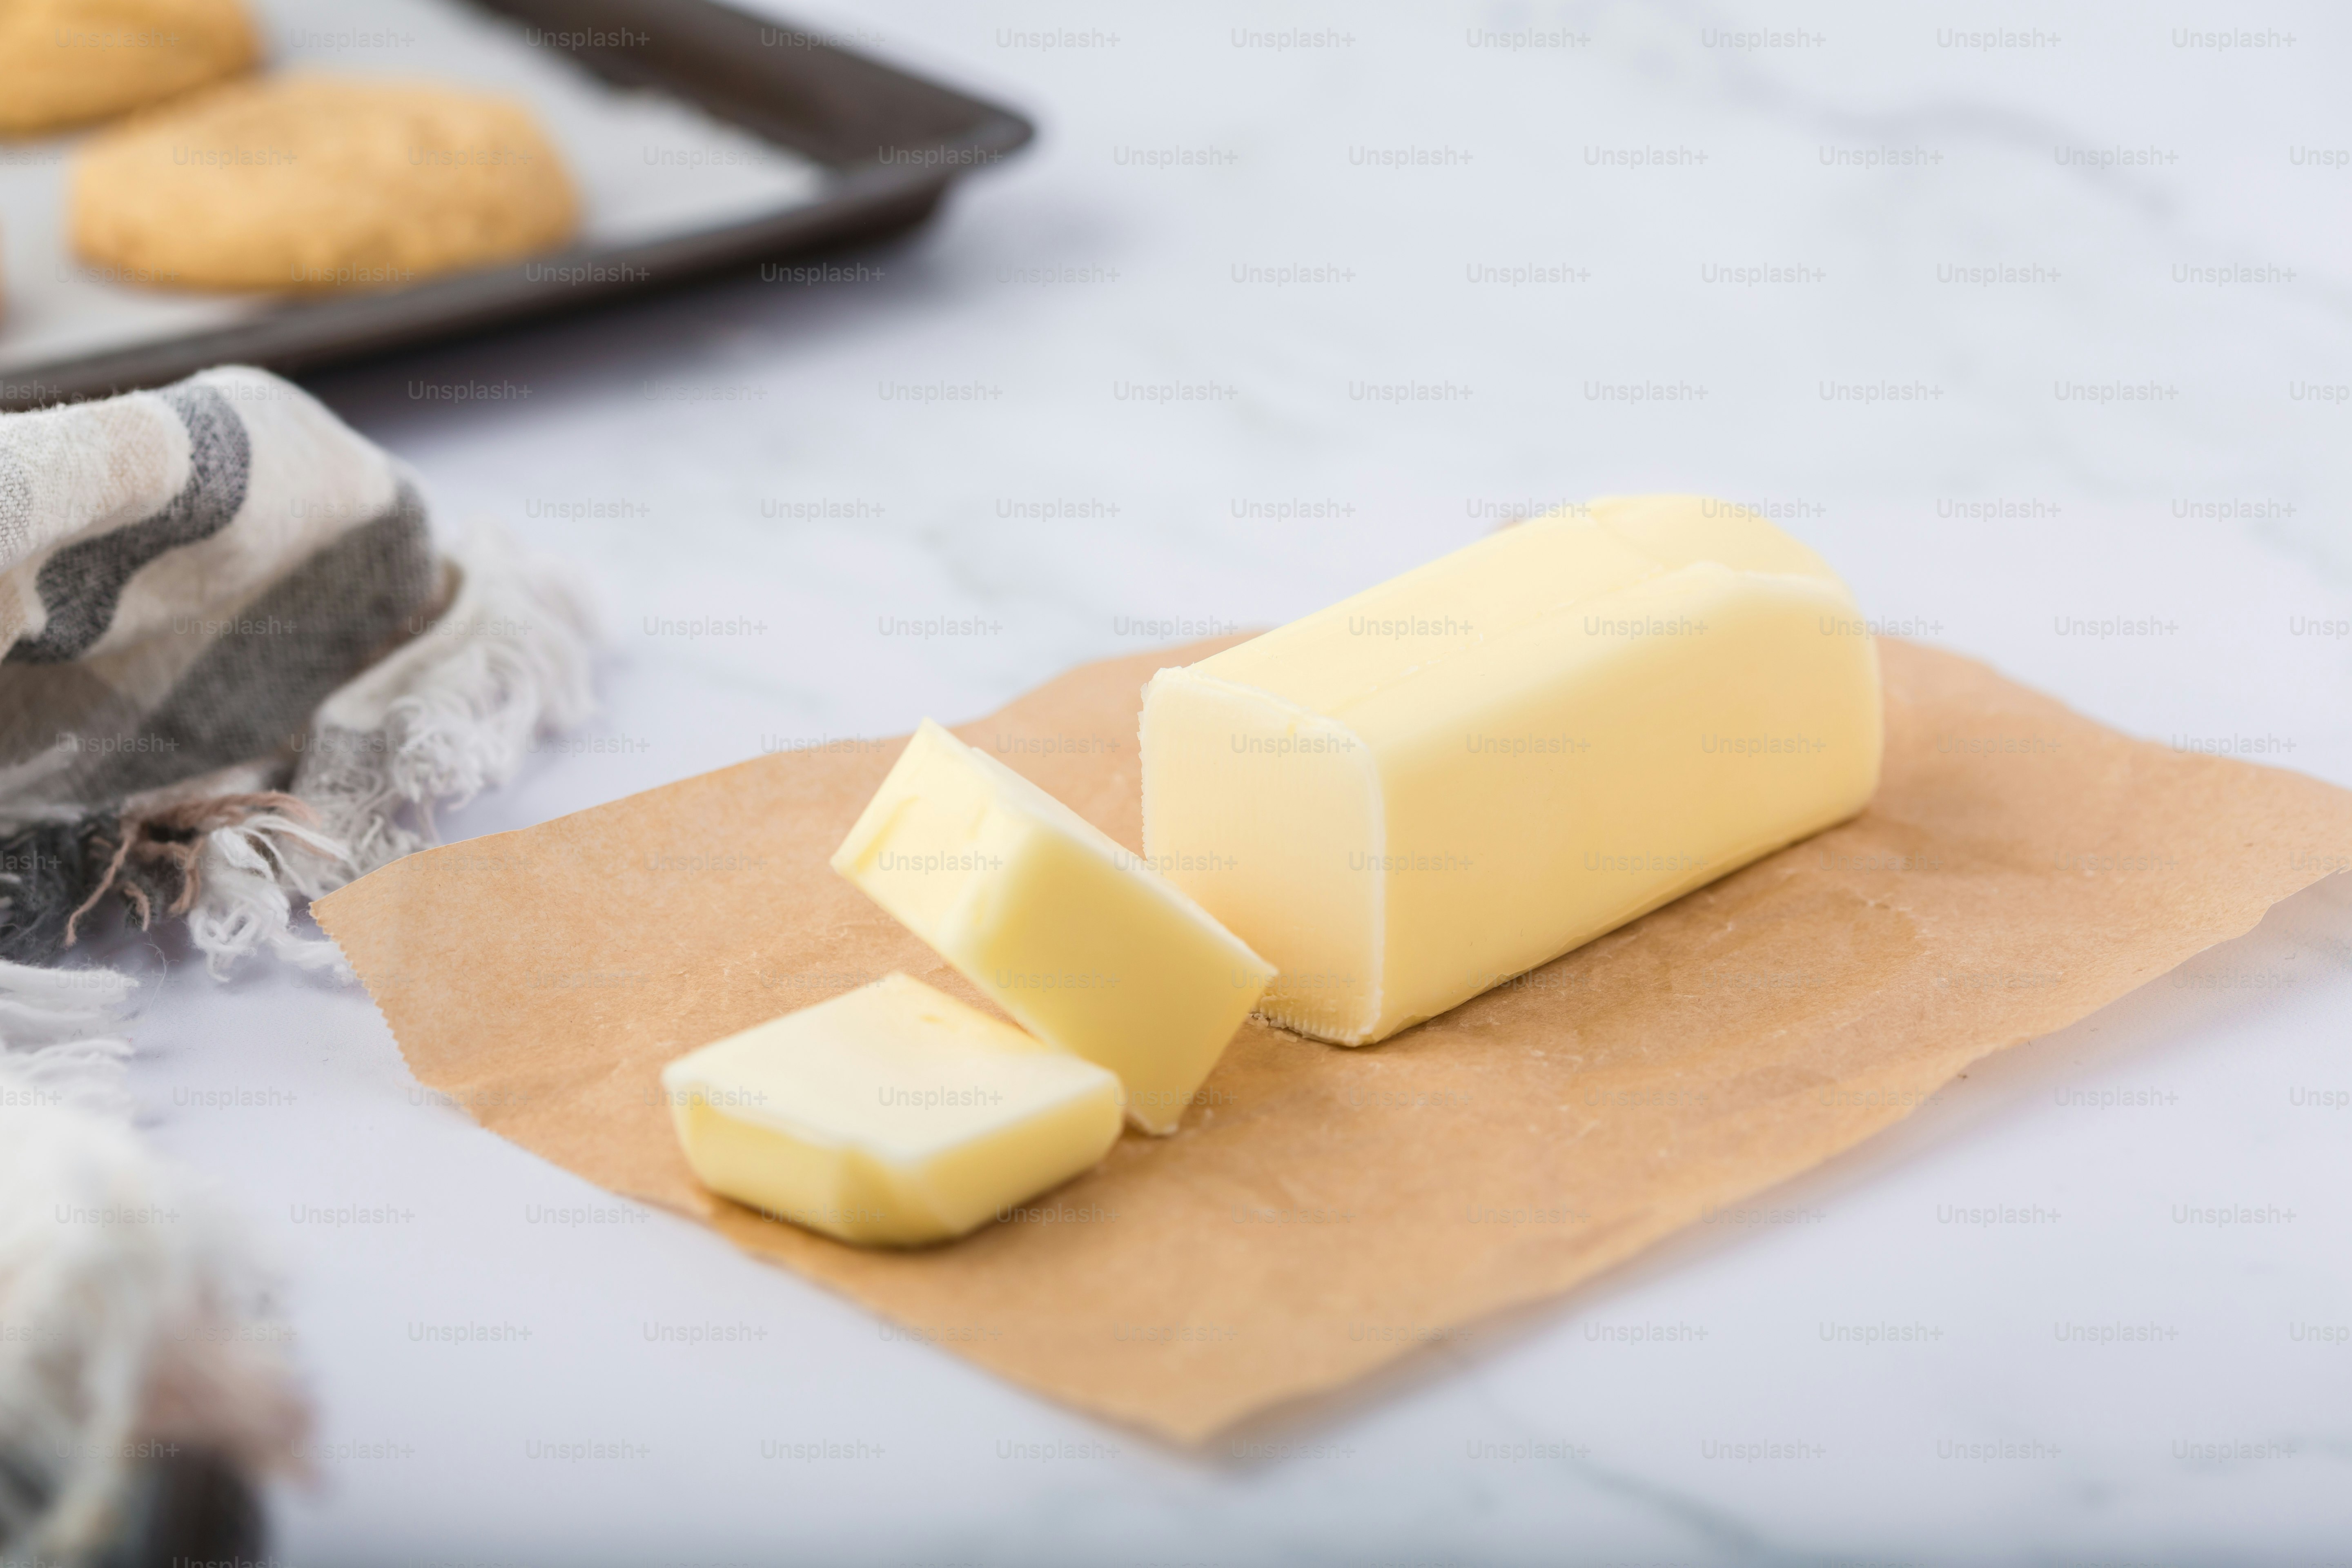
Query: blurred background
x=2033, y=320
x=1268, y=320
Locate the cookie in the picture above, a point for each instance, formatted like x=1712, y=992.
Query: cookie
x=66, y=62
x=308, y=183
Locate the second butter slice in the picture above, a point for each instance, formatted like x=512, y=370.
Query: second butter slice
x=889, y=1116
x=1057, y=923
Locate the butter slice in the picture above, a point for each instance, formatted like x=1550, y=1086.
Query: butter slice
x=891, y=1114
x=1056, y=923
x=1455, y=777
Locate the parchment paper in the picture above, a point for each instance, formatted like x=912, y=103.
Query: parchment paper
x=1323, y=1210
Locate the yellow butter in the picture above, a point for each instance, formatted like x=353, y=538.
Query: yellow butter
x=1450, y=778
x=1056, y=923
x=891, y=1114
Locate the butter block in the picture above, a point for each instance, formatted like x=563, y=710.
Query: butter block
x=1455, y=777
x=889, y=1115
x=1057, y=923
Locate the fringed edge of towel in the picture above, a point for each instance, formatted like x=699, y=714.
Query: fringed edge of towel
x=448, y=714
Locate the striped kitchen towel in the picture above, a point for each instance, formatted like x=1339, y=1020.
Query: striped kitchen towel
x=237, y=672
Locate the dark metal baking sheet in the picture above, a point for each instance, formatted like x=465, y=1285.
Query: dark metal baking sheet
x=890, y=141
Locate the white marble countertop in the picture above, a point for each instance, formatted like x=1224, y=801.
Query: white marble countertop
x=2107, y=306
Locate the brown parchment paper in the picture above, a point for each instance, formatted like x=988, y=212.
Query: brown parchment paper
x=1323, y=1210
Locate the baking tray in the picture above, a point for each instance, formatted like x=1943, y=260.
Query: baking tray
x=882, y=146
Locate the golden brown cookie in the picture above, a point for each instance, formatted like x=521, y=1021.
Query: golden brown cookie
x=64, y=62
x=306, y=182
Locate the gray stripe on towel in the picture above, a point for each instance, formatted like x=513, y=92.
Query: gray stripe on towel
x=82, y=583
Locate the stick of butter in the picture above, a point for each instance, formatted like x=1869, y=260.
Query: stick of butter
x=1454, y=777
x=888, y=1115
x=1057, y=923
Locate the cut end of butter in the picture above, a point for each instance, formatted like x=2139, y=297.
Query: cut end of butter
x=892, y=1115
x=1073, y=935
x=1452, y=778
